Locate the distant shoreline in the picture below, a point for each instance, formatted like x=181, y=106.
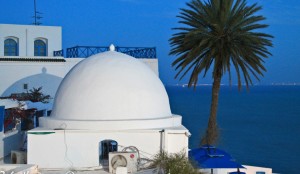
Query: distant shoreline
x=272, y=84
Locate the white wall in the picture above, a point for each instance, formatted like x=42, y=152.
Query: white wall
x=176, y=142
x=152, y=63
x=27, y=34
x=13, y=75
x=71, y=148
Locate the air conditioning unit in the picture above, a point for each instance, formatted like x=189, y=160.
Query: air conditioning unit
x=123, y=159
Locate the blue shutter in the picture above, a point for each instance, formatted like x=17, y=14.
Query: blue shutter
x=2, y=111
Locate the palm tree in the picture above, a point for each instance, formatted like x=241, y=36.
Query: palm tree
x=220, y=35
x=36, y=95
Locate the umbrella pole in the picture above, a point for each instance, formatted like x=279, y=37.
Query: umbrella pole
x=212, y=171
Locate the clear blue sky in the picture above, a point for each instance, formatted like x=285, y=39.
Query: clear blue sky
x=148, y=23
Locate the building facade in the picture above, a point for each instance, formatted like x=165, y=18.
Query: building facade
x=106, y=104
x=32, y=57
x=29, y=40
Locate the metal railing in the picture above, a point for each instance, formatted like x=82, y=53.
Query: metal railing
x=84, y=51
x=139, y=52
x=87, y=51
x=59, y=53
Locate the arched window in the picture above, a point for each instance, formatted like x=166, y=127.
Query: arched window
x=40, y=48
x=10, y=47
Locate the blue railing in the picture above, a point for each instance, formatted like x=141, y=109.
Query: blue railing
x=149, y=53
x=59, y=53
x=87, y=51
x=84, y=51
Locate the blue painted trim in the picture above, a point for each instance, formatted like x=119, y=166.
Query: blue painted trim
x=2, y=112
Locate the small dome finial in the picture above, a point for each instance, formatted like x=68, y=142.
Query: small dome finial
x=112, y=47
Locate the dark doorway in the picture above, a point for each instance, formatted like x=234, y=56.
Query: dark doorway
x=105, y=147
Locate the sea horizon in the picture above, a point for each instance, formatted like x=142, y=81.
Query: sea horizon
x=257, y=127
x=243, y=85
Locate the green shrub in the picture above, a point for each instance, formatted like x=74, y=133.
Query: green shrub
x=176, y=163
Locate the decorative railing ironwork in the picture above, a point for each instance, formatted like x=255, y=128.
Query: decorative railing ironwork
x=84, y=51
x=59, y=53
x=139, y=52
x=87, y=51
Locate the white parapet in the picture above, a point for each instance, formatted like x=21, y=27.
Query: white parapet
x=82, y=148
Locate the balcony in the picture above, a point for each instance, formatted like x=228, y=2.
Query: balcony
x=87, y=51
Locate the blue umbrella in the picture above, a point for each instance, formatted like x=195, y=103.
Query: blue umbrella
x=209, y=157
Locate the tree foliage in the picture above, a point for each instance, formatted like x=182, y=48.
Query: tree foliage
x=176, y=163
x=36, y=95
x=220, y=35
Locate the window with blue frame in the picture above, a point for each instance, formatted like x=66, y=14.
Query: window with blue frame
x=40, y=48
x=10, y=47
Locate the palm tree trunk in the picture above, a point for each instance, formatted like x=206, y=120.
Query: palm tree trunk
x=212, y=132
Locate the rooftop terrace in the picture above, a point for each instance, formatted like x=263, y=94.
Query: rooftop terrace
x=87, y=51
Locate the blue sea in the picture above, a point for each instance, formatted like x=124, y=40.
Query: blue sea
x=259, y=127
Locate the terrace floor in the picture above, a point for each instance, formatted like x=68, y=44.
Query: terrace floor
x=6, y=167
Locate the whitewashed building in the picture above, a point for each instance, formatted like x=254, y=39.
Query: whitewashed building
x=108, y=102
x=29, y=40
x=32, y=57
x=27, y=61
x=109, y=97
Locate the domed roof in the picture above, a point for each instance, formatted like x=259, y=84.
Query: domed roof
x=111, y=86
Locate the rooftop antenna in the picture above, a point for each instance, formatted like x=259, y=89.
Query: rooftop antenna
x=37, y=15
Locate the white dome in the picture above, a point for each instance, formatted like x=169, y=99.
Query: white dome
x=111, y=86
